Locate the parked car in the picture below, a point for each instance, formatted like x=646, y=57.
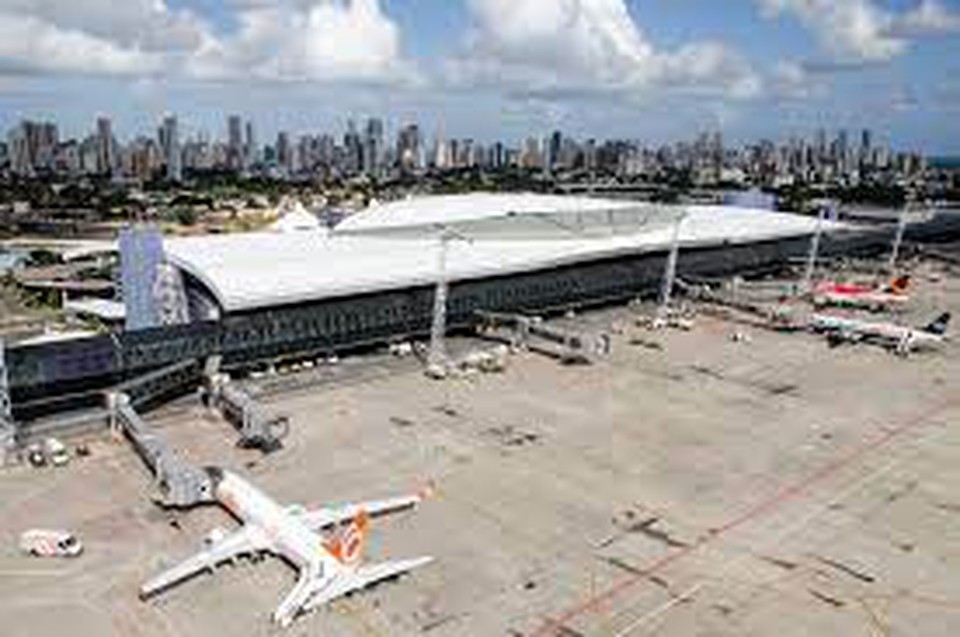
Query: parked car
x=35, y=455
x=56, y=452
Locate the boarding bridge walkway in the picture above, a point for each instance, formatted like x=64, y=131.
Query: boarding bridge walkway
x=531, y=332
x=258, y=428
x=180, y=484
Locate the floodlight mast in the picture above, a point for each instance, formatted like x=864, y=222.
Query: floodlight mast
x=670, y=268
x=437, y=356
x=901, y=230
x=813, y=254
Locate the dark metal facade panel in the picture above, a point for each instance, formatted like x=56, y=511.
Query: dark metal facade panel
x=330, y=325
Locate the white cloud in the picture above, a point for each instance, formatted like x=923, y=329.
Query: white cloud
x=29, y=44
x=793, y=81
x=324, y=40
x=314, y=40
x=850, y=30
x=93, y=36
x=862, y=31
x=586, y=46
x=930, y=17
x=144, y=24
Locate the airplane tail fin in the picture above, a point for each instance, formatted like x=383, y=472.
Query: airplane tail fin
x=347, y=545
x=899, y=285
x=939, y=326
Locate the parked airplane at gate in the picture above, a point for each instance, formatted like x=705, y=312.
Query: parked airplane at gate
x=901, y=338
x=329, y=567
x=863, y=295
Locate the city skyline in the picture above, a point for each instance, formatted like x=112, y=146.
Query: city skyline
x=491, y=69
x=35, y=148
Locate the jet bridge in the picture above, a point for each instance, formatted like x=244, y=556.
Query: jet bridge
x=180, y=485
x=531, y=332
x=258, y=428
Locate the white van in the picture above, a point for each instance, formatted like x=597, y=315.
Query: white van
x=50, y=543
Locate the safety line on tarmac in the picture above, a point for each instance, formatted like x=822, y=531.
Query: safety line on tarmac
x=553, y=626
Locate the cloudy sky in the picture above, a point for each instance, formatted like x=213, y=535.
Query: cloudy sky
x=656, y=70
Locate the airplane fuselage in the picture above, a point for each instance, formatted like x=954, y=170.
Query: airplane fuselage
x=287, y=533
x=329, y=567
x=868, y=300
x=886, y=332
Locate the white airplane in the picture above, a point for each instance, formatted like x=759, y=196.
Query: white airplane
x=863, y=295
x=329, y=567
x=901, y=338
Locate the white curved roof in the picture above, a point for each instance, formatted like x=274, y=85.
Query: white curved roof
x=295, y=218
x=247, y=271
x=451, y=209
x=507, y=217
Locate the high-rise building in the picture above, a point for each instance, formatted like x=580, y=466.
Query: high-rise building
x=498, y=155
x=353, y=149
x=843, y=150
x=106, y=155
x=441, y=154
x=21, y=152
x=530, y=156
x=89, y=150
x=32, y=146
x=284, y=152
x=21, y=161
x=717, y=154
x=866, y=148
x=554, y=149
x=250, y=147
x=821, y=146
x=409, y=152
x=47, y=142
x=170, y=145
x=373, y=146
x=67, y=161
x=235, y=152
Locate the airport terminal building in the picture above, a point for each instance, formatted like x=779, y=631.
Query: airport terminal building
x=301, y=290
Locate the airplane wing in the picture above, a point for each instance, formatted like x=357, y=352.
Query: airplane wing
x=321, y=518
x=244, y=540
x=346, y=581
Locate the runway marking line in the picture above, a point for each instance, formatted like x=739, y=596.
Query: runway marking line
x=553, y=626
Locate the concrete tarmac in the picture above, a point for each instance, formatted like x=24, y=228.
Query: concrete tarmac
x=686, y=485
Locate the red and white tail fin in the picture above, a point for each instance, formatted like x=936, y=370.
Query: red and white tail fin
x=900, y=284
x=347, y=545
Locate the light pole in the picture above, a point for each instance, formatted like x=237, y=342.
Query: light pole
x=901, y=230
x=670, y=268
x=437, y=356
x=812, y=255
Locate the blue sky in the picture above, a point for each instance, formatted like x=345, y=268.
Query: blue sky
x=654, y=70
